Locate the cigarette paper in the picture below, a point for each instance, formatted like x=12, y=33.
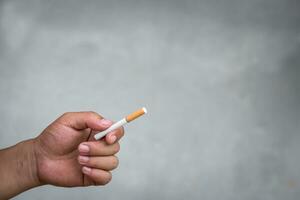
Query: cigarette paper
x=122, y=122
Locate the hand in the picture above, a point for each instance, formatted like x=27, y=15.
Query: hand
x=67, y=154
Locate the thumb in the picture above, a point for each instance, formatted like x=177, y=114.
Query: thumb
x=84, y=120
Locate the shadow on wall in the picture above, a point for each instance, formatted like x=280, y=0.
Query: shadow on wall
x=277, y=98
x=271, y=143
x=290, y=72
x=2, y=41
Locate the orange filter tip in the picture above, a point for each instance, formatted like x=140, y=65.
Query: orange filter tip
x=136, y=114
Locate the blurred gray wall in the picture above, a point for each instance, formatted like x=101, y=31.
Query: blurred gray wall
x=220, y=80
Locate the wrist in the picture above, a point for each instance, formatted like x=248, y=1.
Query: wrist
x=23, y=160
x=18, y=169
x=26, y=164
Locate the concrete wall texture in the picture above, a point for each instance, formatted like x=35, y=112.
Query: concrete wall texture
x=220, y=80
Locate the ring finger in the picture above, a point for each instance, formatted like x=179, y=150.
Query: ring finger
x=103, y=162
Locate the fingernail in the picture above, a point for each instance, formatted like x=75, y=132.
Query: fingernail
x=84, y=148
x=83, y=159
x=113, y=138
x=105, y=122
x=86, y=170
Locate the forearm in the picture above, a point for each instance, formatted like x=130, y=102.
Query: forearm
x=17, y=169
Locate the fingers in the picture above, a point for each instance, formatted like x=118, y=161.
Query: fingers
x=99, y=176
x=83, y=120
x=98, y=148
x=114, y=136
x=97, y=159
x=105, y=163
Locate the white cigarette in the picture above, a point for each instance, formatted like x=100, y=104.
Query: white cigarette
x=122, y=122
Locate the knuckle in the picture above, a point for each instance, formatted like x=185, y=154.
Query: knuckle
x=66, y=114
x=106, y=178
x=116, y=148
x=115, y=162
x=122, y=131
x=92, y=114
x=94, y=149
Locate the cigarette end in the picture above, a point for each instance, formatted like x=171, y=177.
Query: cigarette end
x=145, y=110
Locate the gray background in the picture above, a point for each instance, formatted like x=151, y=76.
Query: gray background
x=220, y=80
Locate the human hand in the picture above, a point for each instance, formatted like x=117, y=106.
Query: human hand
x=67, y=154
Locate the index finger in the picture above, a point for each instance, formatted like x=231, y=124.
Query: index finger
x=84, y=120
x=114, y=136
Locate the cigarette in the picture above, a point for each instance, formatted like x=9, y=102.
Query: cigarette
x=122, y=122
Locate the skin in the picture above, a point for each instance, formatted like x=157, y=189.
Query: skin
x=64, y=154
